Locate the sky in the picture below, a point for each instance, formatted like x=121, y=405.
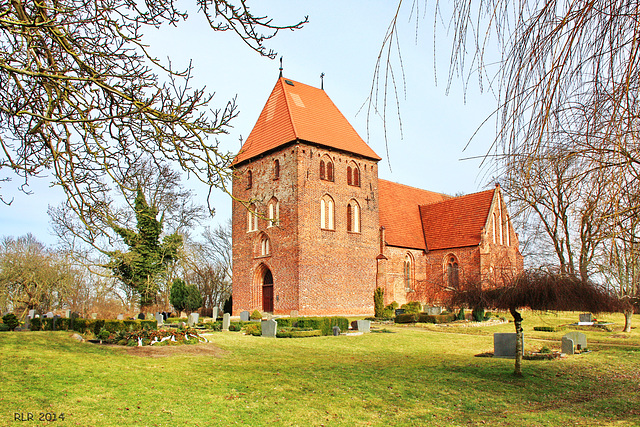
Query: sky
x=341, y=40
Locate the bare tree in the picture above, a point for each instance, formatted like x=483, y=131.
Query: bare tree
x=31, y=276
x=537, y=290
x=82, y=99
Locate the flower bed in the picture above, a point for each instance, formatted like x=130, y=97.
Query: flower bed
x=152, y=337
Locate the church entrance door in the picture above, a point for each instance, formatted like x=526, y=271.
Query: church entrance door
x=267, y=292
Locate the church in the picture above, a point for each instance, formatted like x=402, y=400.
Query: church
x=315, y=231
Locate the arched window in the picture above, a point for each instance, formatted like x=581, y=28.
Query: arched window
x=326, y=168
x=265, y=245
x=453, y=274
x=249, y=179
x=507, y=232
x=273, y=212
x=408, y=272
x=353, y=174
x=252, y=218
x=327, y=213
x=353, y=217
x=276, y=169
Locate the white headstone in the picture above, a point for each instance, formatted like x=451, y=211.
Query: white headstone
x=120, y=317
x=364, y=326
x=159, y=319
x=50, y=315
x=214, y=313
x=32, y=314
x=193, y=319
x=94, y=315
x=67, y=314
x=244, y=316
x=226, y=320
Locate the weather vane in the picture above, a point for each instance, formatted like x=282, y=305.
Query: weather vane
x=281, y=66
x=322, y=81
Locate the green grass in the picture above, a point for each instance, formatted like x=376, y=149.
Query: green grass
x=419, y=375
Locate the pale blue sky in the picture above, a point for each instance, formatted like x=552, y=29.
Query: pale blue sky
x=342, y=40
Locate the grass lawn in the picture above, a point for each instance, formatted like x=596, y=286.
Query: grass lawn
x=415, y=375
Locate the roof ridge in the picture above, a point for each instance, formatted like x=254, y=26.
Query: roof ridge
x=281, y=80
x=415, y=188
x=452, y=198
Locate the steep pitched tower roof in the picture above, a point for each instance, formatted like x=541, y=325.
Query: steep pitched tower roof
x=298, y=112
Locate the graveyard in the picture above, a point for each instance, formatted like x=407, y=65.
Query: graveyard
x=396, y=374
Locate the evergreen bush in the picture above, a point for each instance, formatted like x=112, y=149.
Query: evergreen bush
x=478, y=314
x=436, y=319
x=461, y=315
x=11, y=321
x=412, y=307
x=256, y=315
x=378, y=302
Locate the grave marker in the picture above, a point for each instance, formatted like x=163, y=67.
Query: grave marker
x=567, y=346
x=269, y=328
x=364, y=326
x=214, y=313
x=226, y=321
x=193, y=319
x=244, y=316
x=504, y=345
x=579, y=340
x=159, y=319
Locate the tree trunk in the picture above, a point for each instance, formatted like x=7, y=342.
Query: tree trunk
x=517, y=320
x=627, y=320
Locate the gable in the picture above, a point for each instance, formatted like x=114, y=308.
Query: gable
x=295, y=111
x=400, y=213
x=456, y=222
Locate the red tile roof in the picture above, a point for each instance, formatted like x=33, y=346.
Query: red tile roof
x=456, y=222
x=399, y=213
x=295, y=111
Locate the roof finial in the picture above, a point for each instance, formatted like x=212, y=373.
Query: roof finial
x=322, y=81
x=281, y=66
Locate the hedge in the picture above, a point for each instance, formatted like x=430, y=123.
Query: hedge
x=324, y=324
x=298, y=334
x=91, y=325
x=407, y=318
x=436, y=318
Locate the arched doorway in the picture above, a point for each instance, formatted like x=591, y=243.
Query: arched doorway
x=267, y=291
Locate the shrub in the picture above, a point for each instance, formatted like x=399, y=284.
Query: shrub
x=254, y=329
x=545, y=328
x=11, y=321
x=407, y=318
x=286, y=322
x=392, y=306
x=461, y=314
x=436, y=319
x=324, y=324
x=3, y=327
x=412, y=307
x=256, y=315
x=478, y=314
x=298, y=333
x=378, y=302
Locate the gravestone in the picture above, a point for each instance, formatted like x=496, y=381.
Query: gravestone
x=244, y=316
x=226, y=321
x=50, y=315
x=141, y=316
x=364, y=326
x=67, y=314
x=399, y=311
x=504, y=345
x=159, y=319
x=434, y=311
x=567, y=346
x=32, y=314
x=354, y=325
x=269, y=328
x=214, y=313
x=193, y=319
x=579, y=340
x=94, y=316
x=120, y=317
x=336, y=331
x=585, y=317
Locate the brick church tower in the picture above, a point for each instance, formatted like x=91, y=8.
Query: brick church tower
x=305, y=210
